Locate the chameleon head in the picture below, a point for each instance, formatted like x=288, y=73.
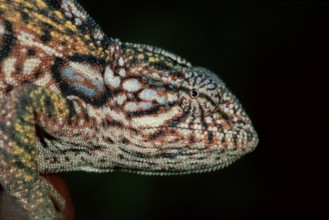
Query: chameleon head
x=181, y=119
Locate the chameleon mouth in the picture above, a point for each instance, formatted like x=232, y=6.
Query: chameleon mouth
x=185, y=128
x=199, y=128
x=178, y=161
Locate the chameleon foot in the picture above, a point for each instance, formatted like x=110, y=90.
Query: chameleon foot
x=19, y=174
x=41, y=201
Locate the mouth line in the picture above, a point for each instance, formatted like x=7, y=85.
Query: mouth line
x=195, y=129
x=214, y=167
x=243, y=134
x=218, y=130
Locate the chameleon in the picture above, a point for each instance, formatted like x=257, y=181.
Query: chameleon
x=74, y=99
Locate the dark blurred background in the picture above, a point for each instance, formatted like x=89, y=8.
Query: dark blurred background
x=274, y=57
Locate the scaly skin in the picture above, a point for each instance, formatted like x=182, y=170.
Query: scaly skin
x=74, y=99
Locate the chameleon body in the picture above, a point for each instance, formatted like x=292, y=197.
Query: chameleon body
x=74, y=99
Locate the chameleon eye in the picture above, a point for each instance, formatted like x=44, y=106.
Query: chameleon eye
x=199, y=93
x=194, y=93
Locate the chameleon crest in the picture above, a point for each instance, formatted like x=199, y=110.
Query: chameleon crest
x=73, y=98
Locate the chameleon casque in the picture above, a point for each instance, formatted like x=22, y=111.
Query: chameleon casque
x=74, y=99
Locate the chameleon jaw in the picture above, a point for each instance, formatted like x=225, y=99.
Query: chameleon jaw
x=178, y=160
x=184, y=170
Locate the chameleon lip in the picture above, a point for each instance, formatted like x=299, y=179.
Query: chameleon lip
x=182, y=172
x=251, y=131
x=196, y=129
x=234, y=156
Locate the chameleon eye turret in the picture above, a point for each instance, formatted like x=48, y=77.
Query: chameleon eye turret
x=199, y=92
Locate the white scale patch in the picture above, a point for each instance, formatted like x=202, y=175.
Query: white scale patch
x=132, y=106
x=145, y=105
x=150, y=94
x=43, y=81
x=121, y=62
x=110, y=79
x=74, y=9
x=172, y=98
x=154, y=121
x=122, y=72
x=161, y=100
x=68, y=14
x=30, y=65
x=28, y=39
x=54, y=88
x=208, y=120
x=98, y=35
x=120, y=99
x=8, y=68
x=77, y=21
x=132, y=85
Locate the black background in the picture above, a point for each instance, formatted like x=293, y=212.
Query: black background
x=274, y=57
